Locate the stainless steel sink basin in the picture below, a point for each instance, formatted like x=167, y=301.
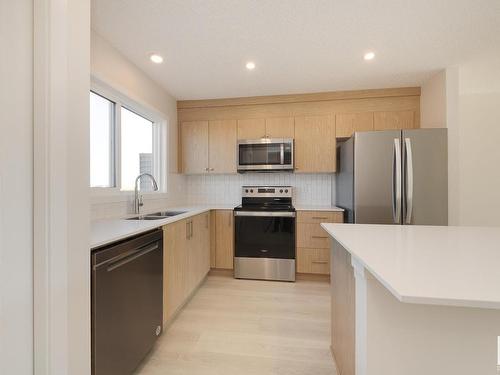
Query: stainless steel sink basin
x=157, y=215
x=146, y=217
x=167, y=213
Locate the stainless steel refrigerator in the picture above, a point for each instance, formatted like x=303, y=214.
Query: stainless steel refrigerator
x=394, y=177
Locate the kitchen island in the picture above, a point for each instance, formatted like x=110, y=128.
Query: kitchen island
x=415, y=299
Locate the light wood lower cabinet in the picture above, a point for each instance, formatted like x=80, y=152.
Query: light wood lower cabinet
x=224, y=239
x=313, y=243
x=186, y=260
x=310, y=260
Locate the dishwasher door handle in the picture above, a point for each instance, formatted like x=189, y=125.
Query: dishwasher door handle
x=129, y=258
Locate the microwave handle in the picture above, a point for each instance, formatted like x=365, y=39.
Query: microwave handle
x=282, y=153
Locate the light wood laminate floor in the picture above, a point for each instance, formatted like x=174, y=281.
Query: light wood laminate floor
x=247, y=327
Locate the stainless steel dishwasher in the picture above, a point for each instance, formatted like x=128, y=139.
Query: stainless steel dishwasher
x=127, y=303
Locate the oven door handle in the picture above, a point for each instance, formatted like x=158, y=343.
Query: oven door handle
x=264, y=214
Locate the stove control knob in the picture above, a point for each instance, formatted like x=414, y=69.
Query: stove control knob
x=281, y=190
x=251, y=190
x=286, y=190
x=246, y=190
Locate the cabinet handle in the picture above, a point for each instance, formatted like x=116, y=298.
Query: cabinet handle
x=319, y=261
x=191, y=231
x=206, y=221
x=211, y=169
x=187, y=230
x=207, y=169
x=319, y=218
x=228, y=220
x=324, y=237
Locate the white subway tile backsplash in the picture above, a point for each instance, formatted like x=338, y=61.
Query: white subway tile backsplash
x=310, y=189
x=176, y=196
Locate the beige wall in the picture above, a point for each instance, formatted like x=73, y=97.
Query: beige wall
x=466, y=99
x=479, y=137
x=433, y=102
x=16, y=187
x=111, y=67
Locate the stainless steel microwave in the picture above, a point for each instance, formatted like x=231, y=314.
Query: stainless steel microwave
x=265, y=155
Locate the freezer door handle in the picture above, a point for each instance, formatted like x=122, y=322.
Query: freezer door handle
x=409, y=180
x=396, y=182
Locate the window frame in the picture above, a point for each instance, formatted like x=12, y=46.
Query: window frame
x=160, y=123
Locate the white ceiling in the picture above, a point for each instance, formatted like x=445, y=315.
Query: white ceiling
x=298, y=45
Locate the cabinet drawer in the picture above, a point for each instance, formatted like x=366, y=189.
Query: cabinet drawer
x=317, y=217
x=313, y=261
x=312, y=236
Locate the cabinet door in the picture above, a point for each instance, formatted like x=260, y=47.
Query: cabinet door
x=391, y=120
x=212, y=239
x=201, y=245
x=348, y=123
x=251, y=128
x=315, y=144
x=194, y=144
x=175, y=265
x=224, y=239
x=280, y=127
x=222, y=146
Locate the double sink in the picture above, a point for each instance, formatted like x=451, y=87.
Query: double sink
x=157, y=215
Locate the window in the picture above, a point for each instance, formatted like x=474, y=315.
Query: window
x=137, y=149
x=125, y=141
x=101, y=141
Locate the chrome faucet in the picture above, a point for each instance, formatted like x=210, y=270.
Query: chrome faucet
x=138, y=198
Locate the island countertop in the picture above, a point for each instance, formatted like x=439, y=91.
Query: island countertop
x=454, y=266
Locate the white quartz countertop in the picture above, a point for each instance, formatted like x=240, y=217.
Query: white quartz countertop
x=455, y=266
x=106, y=231
x=318, y=208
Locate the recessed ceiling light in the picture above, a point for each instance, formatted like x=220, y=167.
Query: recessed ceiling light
x=250, y=65
x=157, y=59
x=369, y=55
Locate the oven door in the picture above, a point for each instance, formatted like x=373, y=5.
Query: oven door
x=265, y=245
x=265, y=154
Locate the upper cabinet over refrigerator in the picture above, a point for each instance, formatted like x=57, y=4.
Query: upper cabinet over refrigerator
x=394, y=177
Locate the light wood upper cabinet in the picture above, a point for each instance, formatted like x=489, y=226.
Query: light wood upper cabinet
x=224, y=239
x=280, y=127
x=208, y=146
x=391, y=120
x=251, y=128
x=194, y=139
x=315, y=144
x=348, y=123
x=222, y=146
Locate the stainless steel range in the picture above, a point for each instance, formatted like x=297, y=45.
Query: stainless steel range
x=265, y=234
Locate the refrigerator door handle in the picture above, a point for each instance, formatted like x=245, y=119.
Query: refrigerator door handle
x=409, y=180
x=396, y=182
